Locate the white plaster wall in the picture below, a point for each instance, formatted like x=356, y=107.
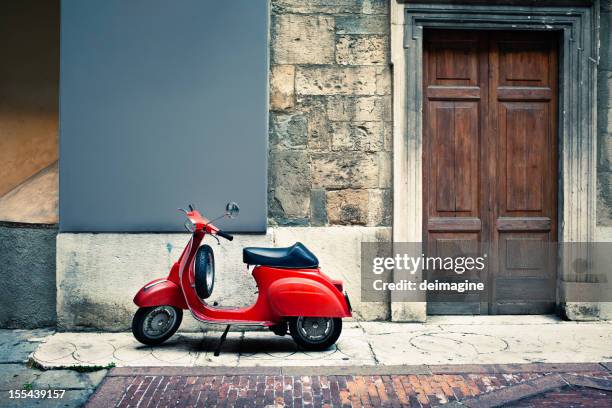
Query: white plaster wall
x=99, y=274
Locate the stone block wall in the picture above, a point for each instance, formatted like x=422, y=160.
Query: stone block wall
x=604, y=117
x=330, y=113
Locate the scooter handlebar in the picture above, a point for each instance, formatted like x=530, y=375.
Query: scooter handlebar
x=225, y=235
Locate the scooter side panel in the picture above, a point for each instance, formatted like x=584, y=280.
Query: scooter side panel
x=296, y=296
x=160, y=292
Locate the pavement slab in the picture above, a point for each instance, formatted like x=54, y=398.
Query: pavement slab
x=442, y=340
x=68, y=379
x=16, y=374
x=70, y=399
x=17, y=345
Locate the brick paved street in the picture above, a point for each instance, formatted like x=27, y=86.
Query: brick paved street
x=316, y=390
x=577, y=397
x=162, y=387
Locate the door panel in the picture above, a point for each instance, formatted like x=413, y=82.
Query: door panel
x=453, y=61
x=523, y=107
x=489, y=164
x=453, y=244
x=522, y=59
x=455, y=137
x=522, y=135
x=454, y=85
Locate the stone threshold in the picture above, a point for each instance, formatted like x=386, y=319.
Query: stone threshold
x=604, y=367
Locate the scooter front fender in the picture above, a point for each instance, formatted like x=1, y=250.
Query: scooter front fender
x=306, y=297
x=160, y=292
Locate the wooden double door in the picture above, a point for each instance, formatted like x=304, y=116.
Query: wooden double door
x=490, y=166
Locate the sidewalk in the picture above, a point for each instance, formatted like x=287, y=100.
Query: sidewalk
x=453, y=361
x=442, y=340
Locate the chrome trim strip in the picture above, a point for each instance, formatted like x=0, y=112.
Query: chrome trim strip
x=150, y=285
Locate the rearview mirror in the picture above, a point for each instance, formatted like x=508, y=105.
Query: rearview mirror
x=232, y=209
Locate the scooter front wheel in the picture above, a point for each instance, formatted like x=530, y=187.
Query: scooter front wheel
x=315, y=333
x=154, y=325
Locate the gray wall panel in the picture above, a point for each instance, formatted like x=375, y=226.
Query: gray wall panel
x=162, y=104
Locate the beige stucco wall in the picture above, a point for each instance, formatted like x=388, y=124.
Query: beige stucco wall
x=99, y=274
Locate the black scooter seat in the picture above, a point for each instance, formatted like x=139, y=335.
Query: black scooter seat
x=295, y=256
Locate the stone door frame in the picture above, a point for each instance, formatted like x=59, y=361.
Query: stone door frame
x=578, y=58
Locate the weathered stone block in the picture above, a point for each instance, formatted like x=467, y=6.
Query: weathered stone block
x=388, y=136
x=282, y=93
x=605, y=152
x=360, y=24
x=604, y=198
x=341, y=170
x=581, y=311
x=319, y=131
x=290, y=182
x=359, y=108
x=342, y=108
x=361, y=50
x=331, y=6
x=604, y=94
x=363, y=136
x=361, y=80
x=342, y=137
x=605, y=46
x=604, y=103
x=288, y=131
x=385, y=172
x=380, y=207
x=347, y=207
x=408, y=311
x=282, y=221
x=318, y=208
x=383, y=81
x=302, y=39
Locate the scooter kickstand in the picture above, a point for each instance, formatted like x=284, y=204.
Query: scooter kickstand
x=221, y=341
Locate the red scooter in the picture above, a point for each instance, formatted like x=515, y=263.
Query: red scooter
x=293, y=294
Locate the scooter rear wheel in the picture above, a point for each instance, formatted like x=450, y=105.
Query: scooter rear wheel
x=154, y=325
x=315, y=333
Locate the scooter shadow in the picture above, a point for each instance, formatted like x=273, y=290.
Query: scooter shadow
x=191, y=342
x=243, y=343
x=254, y=345
x=251, y=343
x=270, y=344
